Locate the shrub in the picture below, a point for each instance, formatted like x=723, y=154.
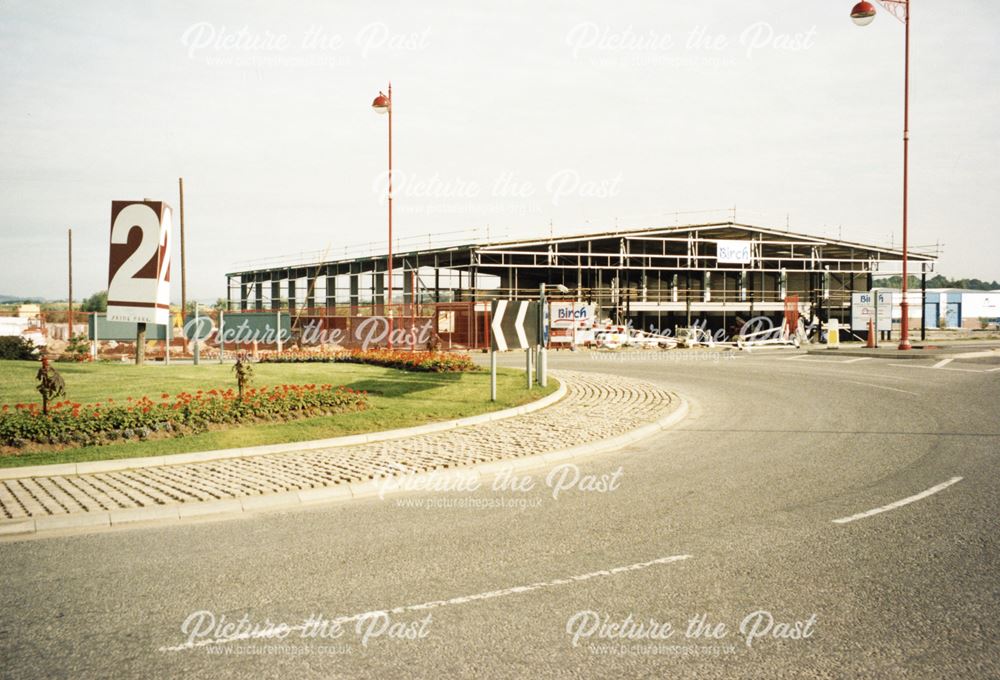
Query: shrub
x=433, y=362
x=16, y=347
x=77, y=349
x=172, y=414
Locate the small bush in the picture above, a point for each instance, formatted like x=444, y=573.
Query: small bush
x=17, y=348
x=431, y=362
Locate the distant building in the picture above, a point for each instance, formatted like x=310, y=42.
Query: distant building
x=29, y=311
x=959, y=308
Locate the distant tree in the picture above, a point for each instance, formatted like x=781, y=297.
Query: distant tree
x=98, y=302
x=938, y=281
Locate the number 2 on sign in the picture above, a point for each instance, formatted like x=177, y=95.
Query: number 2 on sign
x=126, y=285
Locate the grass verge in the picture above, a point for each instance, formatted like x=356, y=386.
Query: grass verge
x=398, y=399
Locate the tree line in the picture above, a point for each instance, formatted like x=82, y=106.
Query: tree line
x=938, y=281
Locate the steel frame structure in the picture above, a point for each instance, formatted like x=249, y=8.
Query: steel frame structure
x=658, y=269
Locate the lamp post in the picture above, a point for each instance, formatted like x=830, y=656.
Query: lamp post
x=863, y=14
x=383, y=105
x=543, y=332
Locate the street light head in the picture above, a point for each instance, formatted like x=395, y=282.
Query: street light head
x=863, y=13
x=381, y=104
x=561, y=288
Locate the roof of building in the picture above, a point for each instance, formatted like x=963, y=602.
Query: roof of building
x=710, y=231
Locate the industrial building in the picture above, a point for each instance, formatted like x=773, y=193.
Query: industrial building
x=958, y=308
x=662, y=277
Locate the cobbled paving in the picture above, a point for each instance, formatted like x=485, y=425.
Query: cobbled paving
x=595, y=407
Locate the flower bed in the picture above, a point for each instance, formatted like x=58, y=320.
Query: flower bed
x=92, y=424
x=434, y=362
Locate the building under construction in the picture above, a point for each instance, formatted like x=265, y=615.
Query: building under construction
x=716, y=274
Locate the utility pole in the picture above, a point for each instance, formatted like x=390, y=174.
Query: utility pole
x=69, y=316
x=180, y=183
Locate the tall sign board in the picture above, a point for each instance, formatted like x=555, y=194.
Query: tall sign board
x=139, y=263
x=875, y=306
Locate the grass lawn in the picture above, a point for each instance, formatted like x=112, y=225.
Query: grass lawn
x=398, y=399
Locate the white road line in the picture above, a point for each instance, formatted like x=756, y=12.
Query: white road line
x=515, y=590
x=814, y=361
x=854, y=361
x=943, y=362
x=942, y=368
x=899, y=503
x=882, y=387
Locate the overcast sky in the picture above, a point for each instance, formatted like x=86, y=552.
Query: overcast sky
x=519, y=117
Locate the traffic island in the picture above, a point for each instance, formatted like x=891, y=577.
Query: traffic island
x=595, y=414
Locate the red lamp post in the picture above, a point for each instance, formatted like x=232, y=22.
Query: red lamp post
x=383, y=105
x=863, y=14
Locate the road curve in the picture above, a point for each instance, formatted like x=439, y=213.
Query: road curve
x=727, y=519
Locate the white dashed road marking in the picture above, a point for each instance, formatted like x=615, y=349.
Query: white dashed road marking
x=799, y=359
x=936, y=367
x=488, y=595
x=900, y=503
x=882, y=387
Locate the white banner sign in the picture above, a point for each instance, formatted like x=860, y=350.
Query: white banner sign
x=564, y=314
x=733, y=252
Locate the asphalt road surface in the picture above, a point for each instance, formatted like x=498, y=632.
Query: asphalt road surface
x=726, y=520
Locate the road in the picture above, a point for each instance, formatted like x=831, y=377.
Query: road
x=728, y=517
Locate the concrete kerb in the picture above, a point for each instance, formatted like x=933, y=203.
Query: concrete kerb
x=368, y=489
x=87, y=467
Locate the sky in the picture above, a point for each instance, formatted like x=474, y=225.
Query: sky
x=510, y=119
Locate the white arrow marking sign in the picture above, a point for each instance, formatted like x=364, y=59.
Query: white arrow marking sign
x=499, y=307
x=519, y=325
x=515, y=328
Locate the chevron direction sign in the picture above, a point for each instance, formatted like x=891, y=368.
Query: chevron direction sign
x=513, y=325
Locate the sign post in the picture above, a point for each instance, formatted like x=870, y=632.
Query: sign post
x=222, y=337
x=196, y=357
x=493, y=375
x=140, y=343
x=513, y=326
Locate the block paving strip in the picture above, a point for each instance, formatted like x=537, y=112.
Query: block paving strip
x=596, y=407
